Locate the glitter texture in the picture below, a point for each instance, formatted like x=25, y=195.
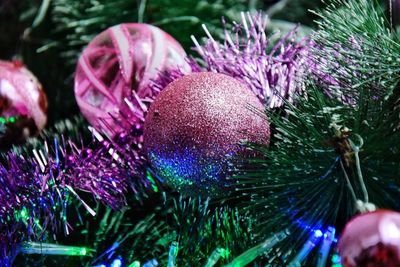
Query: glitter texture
x=118, y=64
x=194, y=128
x=372, y=239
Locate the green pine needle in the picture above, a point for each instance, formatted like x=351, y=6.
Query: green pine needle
x=301, y=182
x=145, y=232
x=201, y=229
x=359, y=48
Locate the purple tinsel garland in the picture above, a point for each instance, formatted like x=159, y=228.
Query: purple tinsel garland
x=274, y=72
x=36, y=191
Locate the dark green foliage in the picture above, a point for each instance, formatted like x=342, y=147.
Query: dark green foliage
x=111, y=235
x=356, y=40
x=133, y=238
x=77, y=22
x=145, y=231
x=294, y=10
x=202, y=229
x=13, y=21
x=73, y=129
x=300, y=184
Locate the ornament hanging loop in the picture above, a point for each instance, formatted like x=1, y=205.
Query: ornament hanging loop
x=361, y=205
x=365, y=207
x=356, y=148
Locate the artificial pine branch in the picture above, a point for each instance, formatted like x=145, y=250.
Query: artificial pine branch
x=145, y=233
x=301, y=185
x=356, y=48
x=330, y=154
x=202, y=228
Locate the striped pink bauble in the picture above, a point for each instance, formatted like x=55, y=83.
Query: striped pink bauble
x=114, y=72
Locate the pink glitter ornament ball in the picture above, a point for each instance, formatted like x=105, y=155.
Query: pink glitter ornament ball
x=23, y=104
x=194, y=127
x=114, y=71
x=372, y=239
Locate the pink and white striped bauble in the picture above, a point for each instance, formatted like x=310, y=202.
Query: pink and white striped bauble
x=114, y=71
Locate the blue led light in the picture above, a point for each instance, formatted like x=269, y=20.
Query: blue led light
x=318, y=233
x=323, y=253
x=116, y=263
x=306, y=249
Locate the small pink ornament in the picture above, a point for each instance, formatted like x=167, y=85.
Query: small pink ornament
x=194, y=127
x=23, y=104
x=118, y=65
x=371, y=240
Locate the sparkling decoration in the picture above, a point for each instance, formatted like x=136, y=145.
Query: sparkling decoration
x=23, y=104
x=194, y=127
x=36, y=191
x=372, y=239
x=273, y=71
x=114, y=71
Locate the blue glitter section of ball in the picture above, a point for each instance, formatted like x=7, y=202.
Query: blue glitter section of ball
x=188, y=168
